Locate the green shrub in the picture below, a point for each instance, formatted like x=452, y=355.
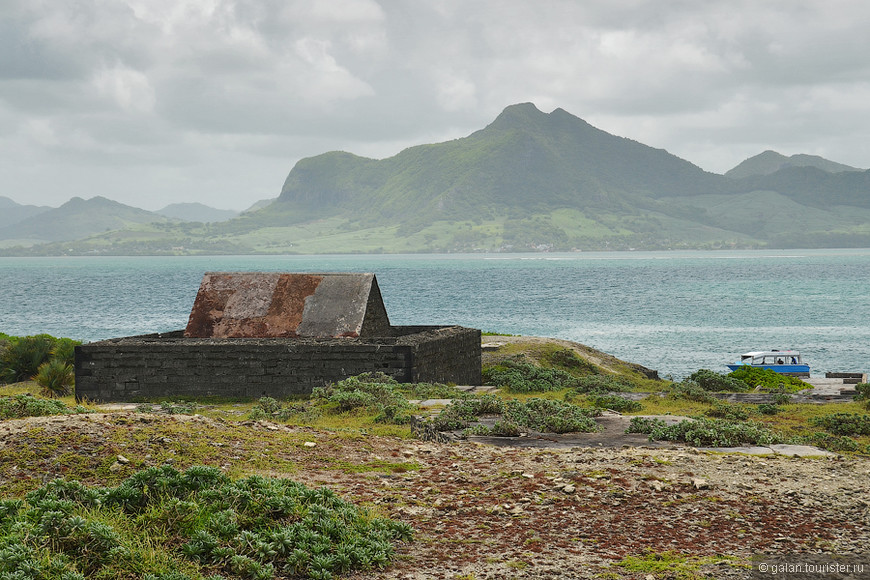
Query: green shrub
x=523, y=377
x=768, y=380
x=197, y=520
x=614, y=403
x=713, y=381
x=56, y=378
x=64, y=350
x=23, y=357
x=722, y=410
x=568, y=359
x=690, y=391
x=645, y=425
x=548, y=416
x=460, y=413
x=781, y=399
x=835, y=443
x=863, y=392
x=272, y=409
x=21, y=406
x=373, y=392
x=534, y=414
x=601, y=384
x=716, y=433
x=768, y=409
x=505, y=429
x=843, y=423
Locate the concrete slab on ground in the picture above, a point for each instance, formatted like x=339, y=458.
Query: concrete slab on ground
x=787, y=450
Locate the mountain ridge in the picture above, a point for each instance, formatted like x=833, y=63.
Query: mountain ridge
x=527, y=181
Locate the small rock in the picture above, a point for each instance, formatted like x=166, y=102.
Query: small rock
x=309, y=444
x=569, y=489
x=699, y=483
x=122, y=460
x=529, y=475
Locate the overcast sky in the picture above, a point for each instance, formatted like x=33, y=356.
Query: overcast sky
x=151, y=102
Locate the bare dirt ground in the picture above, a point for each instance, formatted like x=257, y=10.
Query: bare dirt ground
x=486, y=512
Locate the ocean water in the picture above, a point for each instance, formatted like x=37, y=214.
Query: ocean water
x=671, y=311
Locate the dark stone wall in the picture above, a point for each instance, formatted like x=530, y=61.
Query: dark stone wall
x=167, y=366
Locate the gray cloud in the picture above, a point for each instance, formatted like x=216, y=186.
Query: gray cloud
x=154, y=101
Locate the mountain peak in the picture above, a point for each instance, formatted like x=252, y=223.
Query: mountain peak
x=769, y=162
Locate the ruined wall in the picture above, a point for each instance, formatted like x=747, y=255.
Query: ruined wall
x=167, y=366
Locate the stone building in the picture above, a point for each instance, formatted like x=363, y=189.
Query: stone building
x=275, y=334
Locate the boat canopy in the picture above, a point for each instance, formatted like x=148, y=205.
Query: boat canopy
x=768, y=357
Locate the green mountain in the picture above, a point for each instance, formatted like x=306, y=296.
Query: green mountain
x=529, y=181
x=78, y=218
x=12, y=212
x=197, y=212
x=525, y=161
x=770, y=162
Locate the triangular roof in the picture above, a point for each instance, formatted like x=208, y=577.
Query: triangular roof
x=275, y=304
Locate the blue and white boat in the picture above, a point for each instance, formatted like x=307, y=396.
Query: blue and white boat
x=785, y=362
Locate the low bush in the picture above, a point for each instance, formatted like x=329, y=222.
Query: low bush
x=713, y=381
x=843, y=424
x=21, y=406
x=862, y=392
x=614, y=403
x=722, y=410
x=23, y=356
x=645, y=425
x=690, y=391
x=716, y=433
x=768, y=409
x=601, y=384
x=548, y=416
x=372, y=392
x=835, y=443
x=461, y=413
x=542, y=415
x=522, y=377
x=569, y=359
x=56, y=378
x=768, y=380
x=161, y=520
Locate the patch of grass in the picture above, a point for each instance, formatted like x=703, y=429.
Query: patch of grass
x=667, y=564
x=165, y=523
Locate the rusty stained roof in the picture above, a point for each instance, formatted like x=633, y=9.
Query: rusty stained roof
x=273, y=305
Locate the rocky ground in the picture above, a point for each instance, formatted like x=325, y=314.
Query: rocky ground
x=482, y=511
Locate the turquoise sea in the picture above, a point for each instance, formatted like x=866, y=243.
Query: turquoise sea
x=671, y=311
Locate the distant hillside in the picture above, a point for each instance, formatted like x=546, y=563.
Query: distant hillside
x=770, y=162
x=197, y=212
x=525, y=160
x=529, y=181
x=12, y=212
x=76, y=219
